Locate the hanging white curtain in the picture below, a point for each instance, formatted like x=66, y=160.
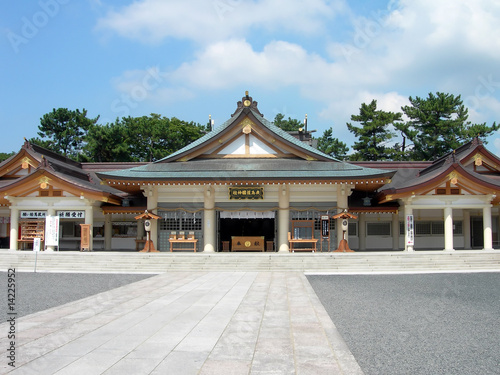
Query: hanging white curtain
x=246, y=215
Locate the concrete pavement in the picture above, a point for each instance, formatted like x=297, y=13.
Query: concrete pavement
x=186, y=323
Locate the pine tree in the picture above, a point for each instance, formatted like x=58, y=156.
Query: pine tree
x=374, y=133
x=439, y=124
x=332, y=146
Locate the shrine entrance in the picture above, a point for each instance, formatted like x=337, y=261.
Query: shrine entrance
x=239, y=228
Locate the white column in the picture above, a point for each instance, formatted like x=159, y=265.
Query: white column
x=466, y=229
x=14, y=228
x=362, y=231
x=448, y=229
x=283, y=218
x=108, y=231
x=89, y=219
x=342, y=203
x=488, y=239
x=408, y=211
x=152, y=194
x=395, y=231
x=209, y=221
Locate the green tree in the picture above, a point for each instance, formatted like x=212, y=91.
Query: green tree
x=332, y=146
x=439, y=124
x=107, y=143
x=154, y=137
x=374, y=132
x=65, y=130
x=4, y=156
x=287, y=125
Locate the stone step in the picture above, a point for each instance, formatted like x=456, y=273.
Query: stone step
x=310, y=262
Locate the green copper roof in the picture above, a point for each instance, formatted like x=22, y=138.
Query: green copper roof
x=237, y=169
x=172, y=168
x=269, y=125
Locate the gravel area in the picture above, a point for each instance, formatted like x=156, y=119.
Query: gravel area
x=41, y=291
x=417, y=324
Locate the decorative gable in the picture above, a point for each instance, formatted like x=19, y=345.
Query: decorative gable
x=247, y=135
x=249, y=146
x=19, y=165
x=43, y=183
x=452, y=181
x=483, y=164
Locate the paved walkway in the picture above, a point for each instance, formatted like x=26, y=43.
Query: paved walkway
x=186, y=323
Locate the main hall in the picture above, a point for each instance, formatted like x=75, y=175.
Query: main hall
x=250, y=186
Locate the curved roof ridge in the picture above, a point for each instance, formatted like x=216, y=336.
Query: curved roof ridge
x=268, y=124
x=290, y=138
x=200, y=140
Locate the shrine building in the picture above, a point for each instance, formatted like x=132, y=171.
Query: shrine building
x=249, y=186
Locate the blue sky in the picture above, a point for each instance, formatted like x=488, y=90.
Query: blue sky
x=189, y=59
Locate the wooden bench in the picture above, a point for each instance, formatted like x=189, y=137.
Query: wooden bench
x=181, y=239
x=312, y=241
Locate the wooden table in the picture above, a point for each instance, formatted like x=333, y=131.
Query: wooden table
x=187, y=241
x=247, y=243
x=302, y=241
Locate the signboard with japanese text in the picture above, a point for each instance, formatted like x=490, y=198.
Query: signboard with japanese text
x=71, y=214
x=52, y=231
x=36, y=243
x=325, y=226
x=85, y=237
x=410, y=237
x=33, y=214
x=246, y=193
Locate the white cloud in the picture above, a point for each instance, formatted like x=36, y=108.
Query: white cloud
x=233, y=63
x=151, y=21
x=409, y=48
x=496, y=143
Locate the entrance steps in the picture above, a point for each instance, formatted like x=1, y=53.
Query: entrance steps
x=335, y=263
